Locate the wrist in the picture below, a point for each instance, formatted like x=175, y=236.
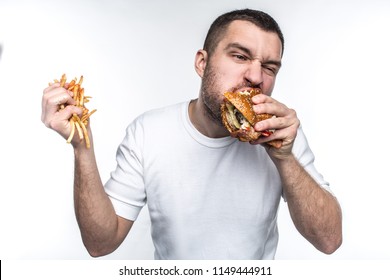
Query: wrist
x=80, y=149
x=83, y=145
x=286, y=164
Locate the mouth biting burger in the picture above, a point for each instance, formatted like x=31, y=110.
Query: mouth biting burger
x=239, y=118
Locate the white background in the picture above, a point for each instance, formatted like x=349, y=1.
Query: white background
x=335, y=75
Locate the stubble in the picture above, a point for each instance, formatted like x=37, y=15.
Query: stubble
x=211, y=95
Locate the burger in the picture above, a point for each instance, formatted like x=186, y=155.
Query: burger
x=239, y=118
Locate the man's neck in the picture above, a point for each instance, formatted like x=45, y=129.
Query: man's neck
x=203, y=123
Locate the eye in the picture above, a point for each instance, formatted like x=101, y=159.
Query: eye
x=272, y=71
x=240, y=57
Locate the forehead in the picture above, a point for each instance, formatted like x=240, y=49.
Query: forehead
x=253, y=37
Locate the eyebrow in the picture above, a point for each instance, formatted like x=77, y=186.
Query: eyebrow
x=240, y=47
x=247, y=51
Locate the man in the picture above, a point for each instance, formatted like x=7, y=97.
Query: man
x=209, y=195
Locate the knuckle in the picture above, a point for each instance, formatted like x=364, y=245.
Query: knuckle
x=55, y=125
x=45, y=99
x=48, y=100
x=280, y=122
x=295, y=112
x=46, y=90
x=47, y=123
x=257, y=108
x=50, y=124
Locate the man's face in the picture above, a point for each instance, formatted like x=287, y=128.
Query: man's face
x=246, y=57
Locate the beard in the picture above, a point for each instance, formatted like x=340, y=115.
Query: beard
x=212, y=93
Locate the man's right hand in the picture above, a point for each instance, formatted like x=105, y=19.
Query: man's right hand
x=56, y=118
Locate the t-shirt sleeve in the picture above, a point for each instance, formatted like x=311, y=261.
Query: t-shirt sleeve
x=306, y=158
x=125, y=187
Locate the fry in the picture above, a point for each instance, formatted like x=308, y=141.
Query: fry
x=79, y=130
x=63, y=80
x=81, y=97
x=72, y=131
x=77, y=123
x=75, y=94
x=86, y=117
x=71, y=84
x=81, y=80
x=62, y=84
x=85, y=134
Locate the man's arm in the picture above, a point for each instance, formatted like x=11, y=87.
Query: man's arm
x=314, y=211
x=101, y=229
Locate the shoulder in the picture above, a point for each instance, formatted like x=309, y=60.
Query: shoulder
x=158, y=119
x=162, y=113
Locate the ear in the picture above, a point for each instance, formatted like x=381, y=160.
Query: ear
x=200, y=62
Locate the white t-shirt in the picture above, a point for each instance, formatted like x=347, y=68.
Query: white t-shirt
x=208, y=198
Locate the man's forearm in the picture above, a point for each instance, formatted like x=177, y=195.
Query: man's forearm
x=314, y=211
x=94, y=212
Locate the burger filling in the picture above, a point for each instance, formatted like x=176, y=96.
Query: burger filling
x=235, y=118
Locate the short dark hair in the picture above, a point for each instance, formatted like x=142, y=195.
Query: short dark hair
x=219, y=26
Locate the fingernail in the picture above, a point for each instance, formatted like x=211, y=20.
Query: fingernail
x=255, y=99
x=258, y=126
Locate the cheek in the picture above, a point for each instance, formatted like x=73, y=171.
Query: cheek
x=232, y=69
x=268, y=85
x=229, y=73
x=231, y=79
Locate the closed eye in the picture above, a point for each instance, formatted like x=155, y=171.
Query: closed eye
x=271, y=69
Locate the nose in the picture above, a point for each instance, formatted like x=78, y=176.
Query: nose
x=253, y=73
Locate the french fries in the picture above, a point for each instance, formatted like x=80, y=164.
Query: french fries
x=77, y=123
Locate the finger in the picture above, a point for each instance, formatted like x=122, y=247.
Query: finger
x=262, y=98
x=264, y=104
x=57, y=96
x=285, y=131
x=59, y=121
x=277, y=136
x=54, y=89
x=52, y=101
x=265, y=108
x=273, y=123
x=50, y=87
x=267, y=142
x=276, y=109
x=51, y=106
x=68, y=112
